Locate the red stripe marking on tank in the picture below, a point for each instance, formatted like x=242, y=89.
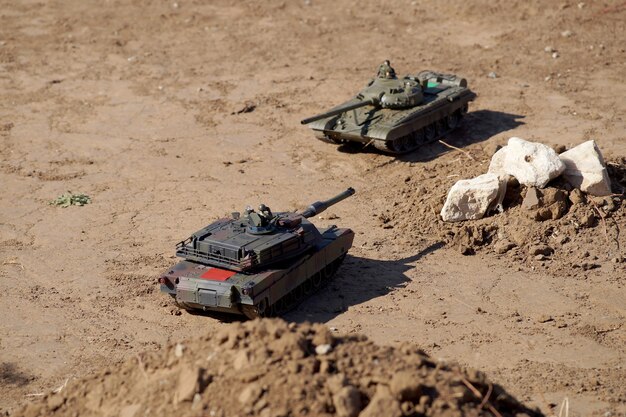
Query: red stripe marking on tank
x=216, y=274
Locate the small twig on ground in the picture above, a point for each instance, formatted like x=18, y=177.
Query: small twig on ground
x=564, y=407
x=464, y=303
x=608, y=330
x=59, y=389
x=143, y=370
x=433, y=209
x=606, y=233
x=485, y=399
x=37, y=394
x=458, y=149
x=13, y=262
x=613, y=9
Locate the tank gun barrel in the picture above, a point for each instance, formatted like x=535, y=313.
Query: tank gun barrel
x=338, y=110
x=320, y=206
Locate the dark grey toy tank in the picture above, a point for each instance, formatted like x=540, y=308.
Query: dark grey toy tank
x=397, y=115
x=257, y=263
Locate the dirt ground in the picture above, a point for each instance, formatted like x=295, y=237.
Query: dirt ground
x=136, y=104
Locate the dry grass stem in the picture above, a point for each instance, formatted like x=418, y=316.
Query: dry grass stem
x=485, y=399
x=59, y=389
x=141, y=367
x=14, y=262
x=564, y=407
x=458, y=149
x=604, y=227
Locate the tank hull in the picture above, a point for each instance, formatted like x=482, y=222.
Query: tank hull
x=267, y=292
x=445, y=102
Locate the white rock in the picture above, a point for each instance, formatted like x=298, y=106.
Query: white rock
x=532, y=164
x=471, y=199
x=585, y=169
x=178, y=350
x=323, y=349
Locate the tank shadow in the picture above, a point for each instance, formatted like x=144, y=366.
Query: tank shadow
x=219, y=316
x=477, y=126
x=357, y=281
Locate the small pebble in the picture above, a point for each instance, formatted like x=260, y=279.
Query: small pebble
x=566, y=33
x=555, y=55
x=178, y=350
x=492, y=75
x=544, y=318
x=323, y=349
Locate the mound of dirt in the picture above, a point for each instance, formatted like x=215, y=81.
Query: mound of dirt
x=271, y=368
x=561, y=230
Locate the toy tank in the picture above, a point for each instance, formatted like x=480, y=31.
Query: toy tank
x=397, y=115
x=258, y=264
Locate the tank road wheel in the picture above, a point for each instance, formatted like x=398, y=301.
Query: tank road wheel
x=308, y=286
x=298, y=292
x=260, y=310
x=328, y=139
x=452, y=120
x=290, y=301
x=271, y=312
x=410, y=142
x=317, y=280
x=419, y=137
x=400, y=145
x=430, y=133
x=329, y=271
x=441, y=127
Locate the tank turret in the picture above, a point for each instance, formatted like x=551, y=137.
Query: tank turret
x=256, y=238
x=385, y=91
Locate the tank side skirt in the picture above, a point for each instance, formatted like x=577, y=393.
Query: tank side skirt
x=306, y=268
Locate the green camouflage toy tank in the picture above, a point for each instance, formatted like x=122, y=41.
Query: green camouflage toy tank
x=258, y=264
x=397, y=115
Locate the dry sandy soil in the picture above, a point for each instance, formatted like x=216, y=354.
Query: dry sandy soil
x=135, y=104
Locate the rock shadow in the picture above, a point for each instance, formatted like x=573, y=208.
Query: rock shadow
x=477, y=126
x=357, y=281
x=617, y=173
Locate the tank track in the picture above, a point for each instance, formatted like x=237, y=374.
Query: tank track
x=426, y=135
x=291, y=300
